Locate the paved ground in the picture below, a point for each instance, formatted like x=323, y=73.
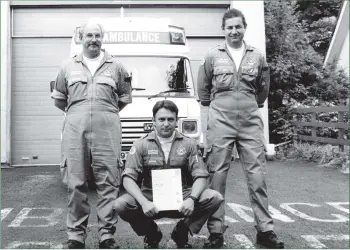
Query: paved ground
x=310, y=206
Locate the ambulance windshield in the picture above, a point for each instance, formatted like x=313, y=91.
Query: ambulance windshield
x=152, y=75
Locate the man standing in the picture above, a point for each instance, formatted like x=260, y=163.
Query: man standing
x=233, y=80
x=166, y=148
x=91, y=89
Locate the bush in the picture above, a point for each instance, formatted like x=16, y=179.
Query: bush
x=298, y=78
x=325, y=155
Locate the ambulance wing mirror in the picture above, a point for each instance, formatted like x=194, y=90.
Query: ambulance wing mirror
x=52, y=85
x=129, y=79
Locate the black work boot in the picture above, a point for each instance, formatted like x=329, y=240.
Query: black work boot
x=214, y=241
x=152, y=239
x=269, y=239
x=74, y=244
x=180, y=235
x=108, y=244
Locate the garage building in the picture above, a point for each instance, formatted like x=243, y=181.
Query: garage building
x=40, y=39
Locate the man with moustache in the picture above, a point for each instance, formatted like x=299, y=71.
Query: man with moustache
x=166, y=148
x=92, y=89
x=233, y=80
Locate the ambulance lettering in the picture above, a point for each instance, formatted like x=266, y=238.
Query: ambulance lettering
x=134, y=37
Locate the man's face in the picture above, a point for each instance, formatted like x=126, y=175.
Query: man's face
x=92, y=39
x=234, y=31
x=165, y=123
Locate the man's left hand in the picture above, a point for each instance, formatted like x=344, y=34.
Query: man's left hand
x=187, y=207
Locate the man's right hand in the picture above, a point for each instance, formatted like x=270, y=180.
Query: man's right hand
x=149, y=209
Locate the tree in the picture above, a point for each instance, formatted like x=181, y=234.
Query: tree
x=319, y=18
x=297, y=74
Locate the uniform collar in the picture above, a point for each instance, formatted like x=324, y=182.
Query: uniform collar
x=223, y=46
x=152, y=135
x=107, y=57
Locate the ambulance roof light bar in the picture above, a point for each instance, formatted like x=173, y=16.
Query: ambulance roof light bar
x=122, y=12
x=177, y=35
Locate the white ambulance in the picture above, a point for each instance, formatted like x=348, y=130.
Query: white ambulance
x=156, y=55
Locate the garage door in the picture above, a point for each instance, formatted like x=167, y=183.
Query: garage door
x=41, y=42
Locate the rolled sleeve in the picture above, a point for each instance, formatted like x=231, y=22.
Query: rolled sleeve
x=132, y=173
x=133, y=166
x=124, y=87
x=60, y=90
x=204, y=82
x=196, y=164
x=58, y=95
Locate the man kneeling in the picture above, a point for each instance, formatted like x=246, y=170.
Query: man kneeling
x=166, y=148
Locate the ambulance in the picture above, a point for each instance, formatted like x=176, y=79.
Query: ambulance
x=156, y=55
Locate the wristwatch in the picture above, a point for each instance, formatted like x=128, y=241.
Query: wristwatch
x=193, y=198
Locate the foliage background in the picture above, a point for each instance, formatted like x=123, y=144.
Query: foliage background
x=298, y=34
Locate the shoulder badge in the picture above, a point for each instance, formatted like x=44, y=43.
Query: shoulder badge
x=132, y=150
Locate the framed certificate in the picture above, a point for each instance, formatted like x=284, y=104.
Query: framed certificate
x=167, y=189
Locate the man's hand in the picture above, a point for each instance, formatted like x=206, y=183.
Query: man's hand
x=187, y=207
x=149, y=209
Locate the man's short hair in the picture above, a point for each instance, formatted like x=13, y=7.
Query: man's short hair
x=81, y=29
x=167, y=104
x=231, y=13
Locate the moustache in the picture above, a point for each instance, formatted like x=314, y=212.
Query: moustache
x=94, y=43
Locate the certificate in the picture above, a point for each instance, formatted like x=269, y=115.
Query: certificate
x=167, y=189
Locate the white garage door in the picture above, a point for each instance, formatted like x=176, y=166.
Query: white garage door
x=41, y=42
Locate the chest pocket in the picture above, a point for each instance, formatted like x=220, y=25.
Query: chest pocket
x=106, y=89
x=77, y=88
x=249, y=75
x=223, y=77
x=178, y=161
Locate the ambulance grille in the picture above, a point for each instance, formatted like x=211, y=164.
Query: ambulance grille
x=132, y=129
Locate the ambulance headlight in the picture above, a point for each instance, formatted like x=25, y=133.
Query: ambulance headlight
x=177, y=38
x=189, y=127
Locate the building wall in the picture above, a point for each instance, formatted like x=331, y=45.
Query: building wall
x=5, y=81
x=344, y=55
x=339, y=46
x=255, y=36
x=38, y=50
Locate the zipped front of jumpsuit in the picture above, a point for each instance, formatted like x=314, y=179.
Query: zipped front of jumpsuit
x=166, y=164
x=161, y=150
x=239, y=78
x=93, y=98
x=171, y=149
x=90, y=111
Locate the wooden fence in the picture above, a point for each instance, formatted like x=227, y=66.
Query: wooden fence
x=314, y=124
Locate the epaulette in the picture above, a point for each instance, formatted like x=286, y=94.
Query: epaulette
x=255, y=50
x=213, y=48
x=143, y=137
x=115, y=57
x=186, y=136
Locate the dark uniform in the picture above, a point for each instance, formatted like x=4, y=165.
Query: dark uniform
x=234, y=96
x=91, y=137
x=147, y=155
